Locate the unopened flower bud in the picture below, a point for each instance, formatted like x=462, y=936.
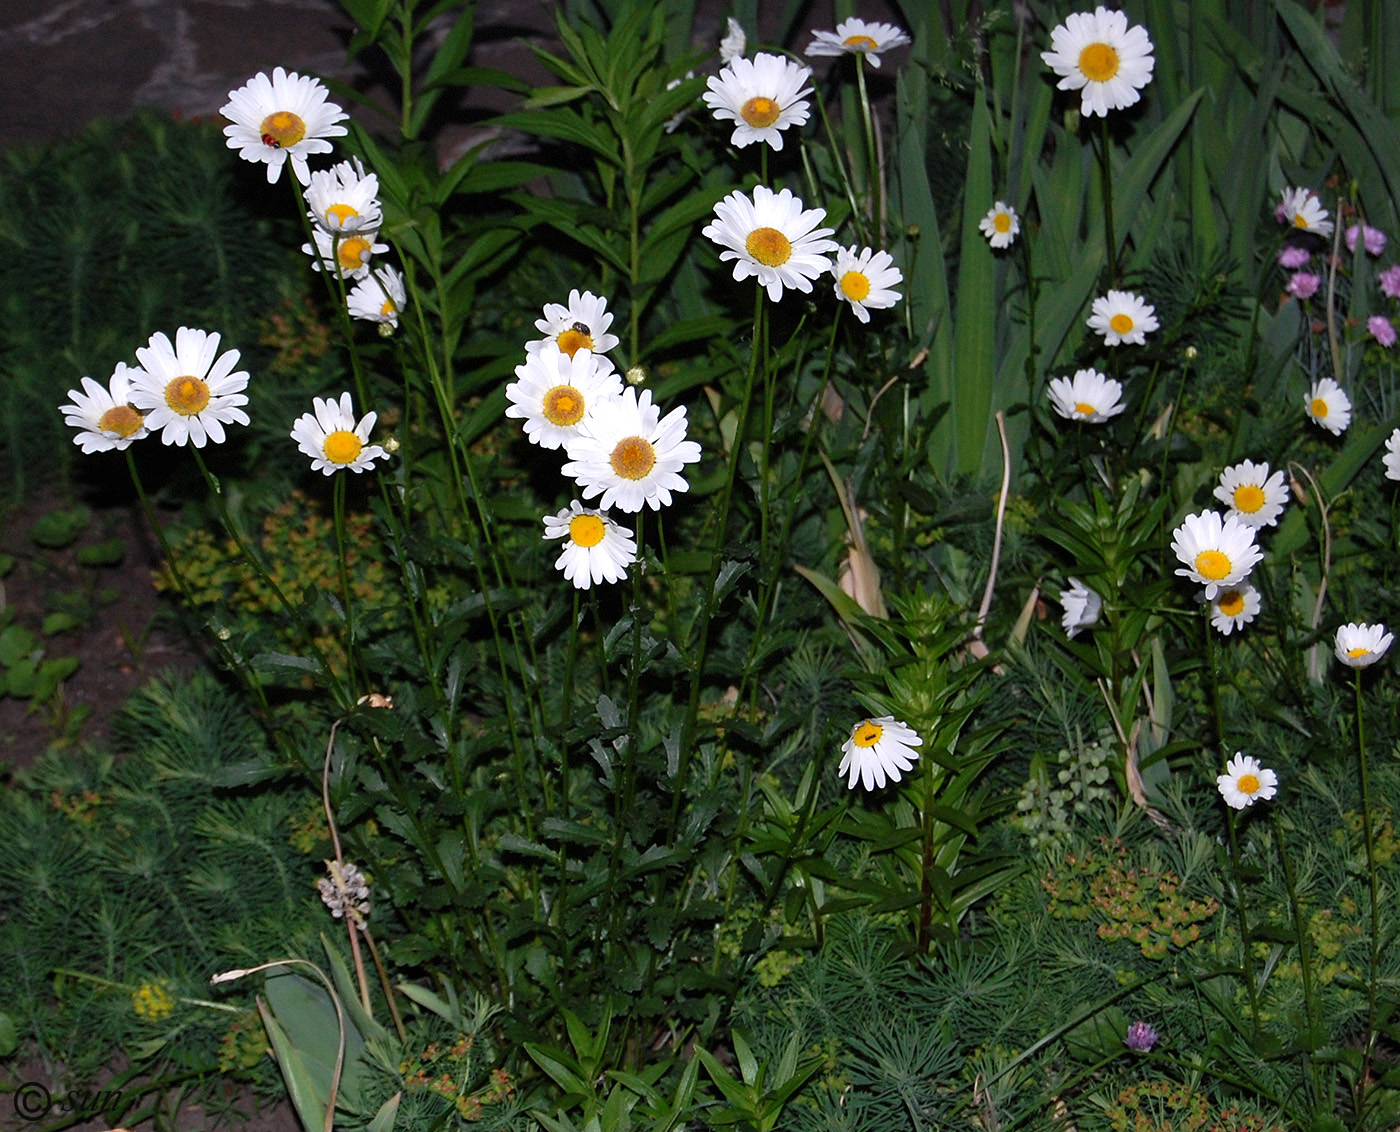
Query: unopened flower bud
x=391, y=445
x=637, y=375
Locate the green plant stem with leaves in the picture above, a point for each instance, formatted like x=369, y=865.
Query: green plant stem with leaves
x=1373, y=891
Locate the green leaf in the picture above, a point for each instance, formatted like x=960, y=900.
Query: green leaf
x=59, y=623
x=60, y=528
x=107, y=553
x=16, y=642
x=9, y=1038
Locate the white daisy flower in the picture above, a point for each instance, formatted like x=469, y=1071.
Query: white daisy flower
x=1328, y=405
x=286, y=116
x=773, y=238
x=344, y=199
x=1001, y=225
x=629, y=454
x=1089, y=396
x=350, y=254
x=1082, y=608
x=1245, y=782
x=379, y=297
x=1234, y=608
x=1121, y=316
x=187, y=392
x=762, y=97
x=1359, y=645
x=1301, y=209
x=734, y=41
x=1218, y=553
x=864, y=278
x=581, y=325
x=555, y=392
x=1391, y=459
x=333, y=440
x=1098, y=54
x=105, y=417
x=595, y=549
x=1251, y=494
x=879, y=749
x=857, y=37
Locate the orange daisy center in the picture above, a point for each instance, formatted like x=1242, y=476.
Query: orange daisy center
x=867, y=734
x=282, y=128
x=188, y=396
x=855, y=285
x=1249, y=498
x=342, y=447
x=586, y=530
x=121, y=419
x=1212, y=565
x=769, y=246
x=1232, y=603
x=353, y=253
x=633, y=458
x=563, y=405
x=575, y=338
x=1098, y=62
x=760, y=112
x=1248, y=784
x=1121, y=323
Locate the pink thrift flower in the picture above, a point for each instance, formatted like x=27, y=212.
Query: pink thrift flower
x=1389, y=280
x=1381, y=330
x=1372, y=238
x=1293, y=257
x=1304, y=285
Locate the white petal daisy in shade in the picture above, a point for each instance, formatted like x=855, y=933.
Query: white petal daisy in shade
x=1218, y=553
x=595, y=548
x=1089, y=396
x=858, y=37
x=189, y=391
x=1329, y=406
x=1251, y=494
x=105, y=418
x=1359, y=645
x=1082, y=608
x=380, y=297
x=773, y=238
x=1121, y=316
x=1234, y=608
x=344, y=198
x=334, y=440
x=1001, y=225
x=1391, y=459
x=734, y=42
x=1245, y=782
x=629, y=454
x=349, y=253
x=878, y=749
x=555, y=392
x=1300, y=209
x=581, y=325
x=762, y=97
x=1099, y=55
x=864, y=278
x=285, y=116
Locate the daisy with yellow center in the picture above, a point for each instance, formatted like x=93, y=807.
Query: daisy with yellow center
x=595, y=550
x=1245, y=782
x=1216, y=552
x=1234, y=608
x=772, y=238
x=1122, y=317
x=334, y=440
x=348, y=253
x=1251, y=494
x=878, y=749
x=626, y=452
x=380, y=297
x=1303, y=212
x=762, y=97
x=105, y=418
x=1359, y=645
x=1328, y=405
x=1089, y=397
x=1082, y=607
x=581, y=324
x=865, y=278
x=1099, y=55
x=344, y=199
x=1001, y=225
x=858, y=37
x=554, y=392
x=285, y=117
x=188, y=391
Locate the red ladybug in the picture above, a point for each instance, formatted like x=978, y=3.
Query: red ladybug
x=269, y=140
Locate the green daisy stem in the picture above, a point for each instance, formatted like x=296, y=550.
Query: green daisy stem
x=338, y=506
x=1305, y=958
x=1368, y=831
x=871, y=150
x=1242, y=918
x=1106, y=180
x=623, y=797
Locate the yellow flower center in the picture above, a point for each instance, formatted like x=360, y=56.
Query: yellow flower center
x=1002, y=222
x=1231, y=603
x=282, y=128
x=854, y=285
x=340, y=213
x=1098, y=62
x=1084, y=409
x=575, y=338
x=353, y=252
x=342, y=447
x=633, y=458
x=563, y=405
x=1249, y=498
x=1354, y=653
x=390, y=309
x=1247, y=784
x=1212, y=565
x=867, y=734
x=769, y=246
x=121, y=419
x=760, y=112
x=1299, y=220
x=859, y=43
x=1121, y=323
x=586, y=530
x=1319, y=407
x=188, y=396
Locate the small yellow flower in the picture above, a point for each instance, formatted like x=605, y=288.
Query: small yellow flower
x=153, y=1002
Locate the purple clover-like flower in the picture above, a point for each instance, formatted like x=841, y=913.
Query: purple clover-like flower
x=1373, y=239
x=1141, y=1037
x=1381, y=330
x=1304, y=284
x=1389, y=281
x=1293, y=257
